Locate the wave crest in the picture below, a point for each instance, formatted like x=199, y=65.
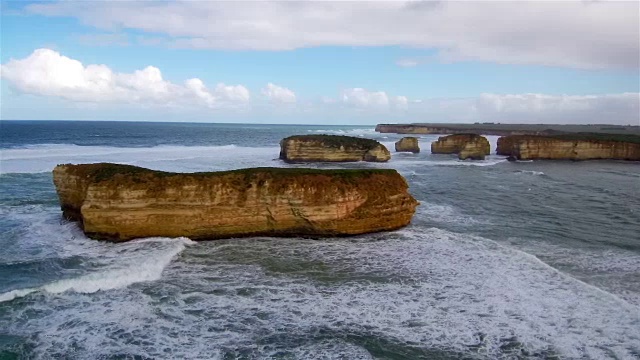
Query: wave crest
x=134, y=271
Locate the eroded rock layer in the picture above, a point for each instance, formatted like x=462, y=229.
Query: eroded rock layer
x=122, y=202
x=454, y=144
x=472, y=151
x=567, y=147
x=331, y=148
x=408, y=144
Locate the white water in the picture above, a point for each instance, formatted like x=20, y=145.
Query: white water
x=128, y=267
x=428, y=286
x=530, y=172
x=43, y=158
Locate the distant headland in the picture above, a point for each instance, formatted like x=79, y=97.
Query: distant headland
x=505, y=129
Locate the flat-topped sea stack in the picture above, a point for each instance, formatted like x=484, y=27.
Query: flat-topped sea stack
x=467, y=146
x=408, y=144
x=121, y=202
x=570, y=147
x=331, y=148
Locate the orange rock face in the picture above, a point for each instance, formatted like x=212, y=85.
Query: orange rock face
x=121, y=202
x=454, y=144
x=529, y=147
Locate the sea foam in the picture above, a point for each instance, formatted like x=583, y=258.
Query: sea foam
x=416, y=289
x=135, y=269
x=530, y=172
x=43, y=158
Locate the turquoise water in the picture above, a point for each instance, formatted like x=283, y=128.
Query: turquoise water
x=502, y=260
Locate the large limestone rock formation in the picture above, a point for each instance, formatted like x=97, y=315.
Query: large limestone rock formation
x=408, y=144
x=334, y=148
x=570, y=147
x=122, y=202
x=472, y=144
x=472, y=151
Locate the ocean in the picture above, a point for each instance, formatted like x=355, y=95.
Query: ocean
x=522, y=260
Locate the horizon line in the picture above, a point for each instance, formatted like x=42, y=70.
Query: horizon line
x=342, y=125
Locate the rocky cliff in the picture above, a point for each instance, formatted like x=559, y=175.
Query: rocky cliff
x=122, y=202
x=472, y=151
x=408, y=144
x=443, y=129
x=454, y=144
x=569, y=147
x=489, y=128
x=332, y=148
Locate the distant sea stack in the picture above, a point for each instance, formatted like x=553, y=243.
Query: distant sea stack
x=331, y=148
x=570, y=147
x=467, y=146
x=121, y=202
x=408, y=144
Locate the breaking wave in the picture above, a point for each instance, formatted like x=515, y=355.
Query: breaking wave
x=137, y=269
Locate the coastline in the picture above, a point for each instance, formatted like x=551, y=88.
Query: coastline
x=505, y=129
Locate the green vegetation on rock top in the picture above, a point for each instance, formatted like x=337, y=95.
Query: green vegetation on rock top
x=337, y=141
x=105, y=171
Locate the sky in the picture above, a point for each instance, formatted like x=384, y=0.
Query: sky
x=322, y=62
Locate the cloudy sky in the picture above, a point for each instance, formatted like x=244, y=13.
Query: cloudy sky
x=322, y=62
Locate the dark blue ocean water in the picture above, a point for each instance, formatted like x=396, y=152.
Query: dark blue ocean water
x=502, y=260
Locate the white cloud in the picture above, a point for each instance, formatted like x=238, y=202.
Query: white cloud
x=48, y=73
x=233, y=92
x=374, y=100
x=328, y=100
x=540, y=104
x=408, y=62
x=443, y=56
x=620, y=109
x=581, y=34
x=197, y=87
x=362, y=98
x=401, y=102
x=279, y=94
